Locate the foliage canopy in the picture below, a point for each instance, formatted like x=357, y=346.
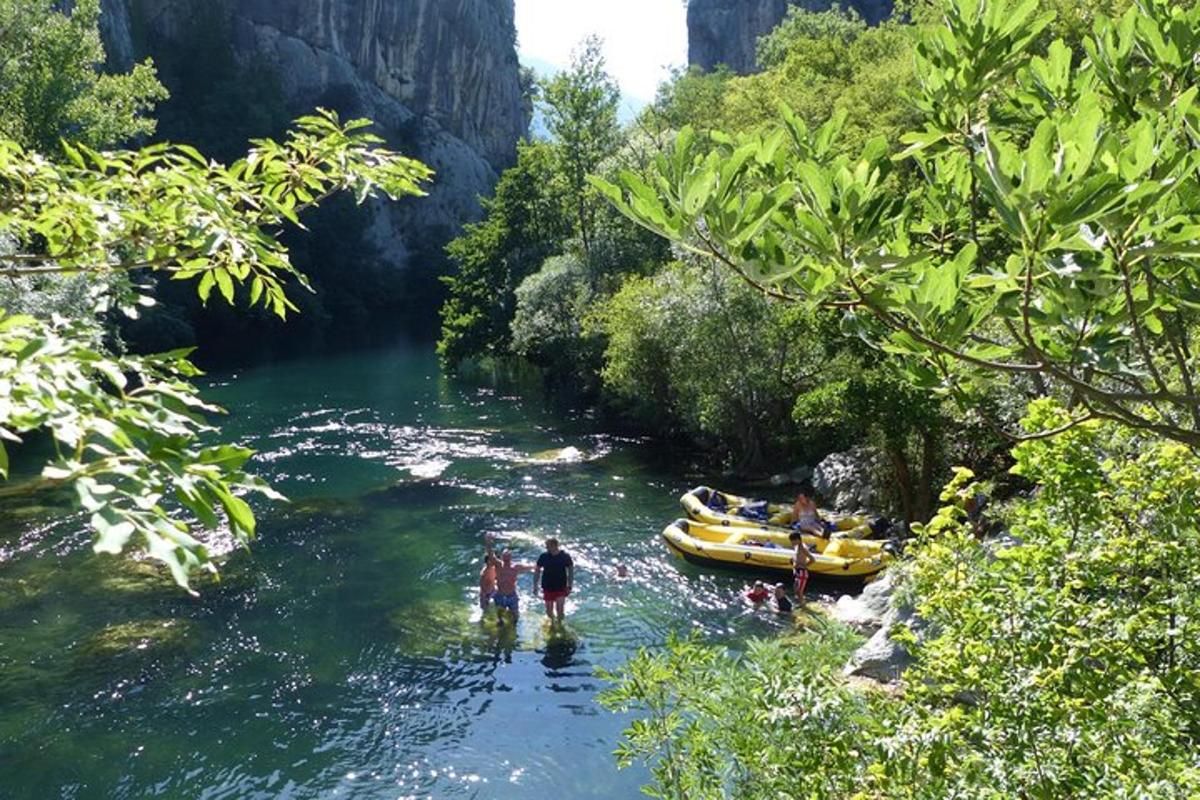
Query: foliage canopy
x=51, y=86
x=1052, y=235
x=127, y=429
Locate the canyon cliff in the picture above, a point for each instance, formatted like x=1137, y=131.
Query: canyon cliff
x=439, y=77
x=727, y=31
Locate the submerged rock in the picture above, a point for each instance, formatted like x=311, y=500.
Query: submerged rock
x=17, y=592
x=558, y=455
x=136, y=576
x=139, y=639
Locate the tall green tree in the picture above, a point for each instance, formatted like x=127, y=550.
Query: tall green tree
x=580, y=106
x=692, y=350
x=526, y=221
x=52, y=86
x=1052, y=239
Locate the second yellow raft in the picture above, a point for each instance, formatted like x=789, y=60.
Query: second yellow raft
x=713, y=507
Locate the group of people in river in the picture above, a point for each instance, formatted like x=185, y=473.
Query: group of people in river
x=554, y=572
x=801, y=558
x=553, y=575
x=805, y=519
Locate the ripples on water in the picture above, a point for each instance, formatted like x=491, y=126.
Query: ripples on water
x=344, y=656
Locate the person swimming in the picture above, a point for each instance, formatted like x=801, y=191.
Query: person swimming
x=782, y=604
x=758, y=593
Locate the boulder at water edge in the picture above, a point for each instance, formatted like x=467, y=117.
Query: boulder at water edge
x=881, y=659
x=867, y=611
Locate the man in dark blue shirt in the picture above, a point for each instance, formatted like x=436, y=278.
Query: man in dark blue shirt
x=555, y=574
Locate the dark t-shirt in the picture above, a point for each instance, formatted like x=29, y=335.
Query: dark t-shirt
x=783, y=604
x=554, y=570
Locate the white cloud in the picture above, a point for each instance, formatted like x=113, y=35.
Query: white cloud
x=642, y=38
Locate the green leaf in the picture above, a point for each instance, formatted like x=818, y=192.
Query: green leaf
x=112, y=533
x=224, y=283
x=241, y=517
x=205, y=287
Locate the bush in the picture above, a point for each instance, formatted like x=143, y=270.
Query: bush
x=1062, y=661
x=693, y=350
x=547, y=328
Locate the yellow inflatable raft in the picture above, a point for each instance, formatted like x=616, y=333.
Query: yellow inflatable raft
x=712, y=507
x=763, y=550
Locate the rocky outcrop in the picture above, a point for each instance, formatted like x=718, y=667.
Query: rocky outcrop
x=848, y=481
x=866, y=611
x=439, y=77
x=727, y=31
x=880, y=659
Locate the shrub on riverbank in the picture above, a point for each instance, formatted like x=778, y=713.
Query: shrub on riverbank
x=1058, y=661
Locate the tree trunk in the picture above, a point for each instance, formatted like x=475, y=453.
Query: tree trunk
x=903, y=480
x=924, y=500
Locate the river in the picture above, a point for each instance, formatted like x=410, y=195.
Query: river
x=343, y=655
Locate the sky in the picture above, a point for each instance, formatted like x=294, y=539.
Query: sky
x=642, y=38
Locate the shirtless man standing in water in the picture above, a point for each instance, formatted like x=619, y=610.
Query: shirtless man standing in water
x=506, y=597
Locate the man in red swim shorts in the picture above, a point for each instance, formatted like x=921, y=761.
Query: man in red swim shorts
x=556, y=573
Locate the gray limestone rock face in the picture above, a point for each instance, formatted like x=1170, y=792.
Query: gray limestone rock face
x=848, y=481
x=440, y=78
x=867, y=611
x=727, y=31
x=881, y=659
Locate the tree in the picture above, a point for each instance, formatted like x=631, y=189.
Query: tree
x=753, y=726
x=525, y=222
x=690, y=350
x=1052, y=241
x=873, y=402
x=126, y=429
x=580, y=105
x=548, y=325
x=51, y=86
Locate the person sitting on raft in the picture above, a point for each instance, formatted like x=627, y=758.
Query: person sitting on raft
x=758, y=593
x=805, y=516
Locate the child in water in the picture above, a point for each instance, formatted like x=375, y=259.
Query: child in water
x=487, y=576
x=782, y=604
x=758, y=593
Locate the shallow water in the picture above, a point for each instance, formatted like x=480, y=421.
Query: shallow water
x=344, y=655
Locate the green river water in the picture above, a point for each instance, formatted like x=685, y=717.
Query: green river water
x=344, y=655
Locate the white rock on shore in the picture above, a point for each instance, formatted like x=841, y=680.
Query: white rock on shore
x=880, y=659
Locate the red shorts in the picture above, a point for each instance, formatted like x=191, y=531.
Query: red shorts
x=801, y=577
x=550, y=595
